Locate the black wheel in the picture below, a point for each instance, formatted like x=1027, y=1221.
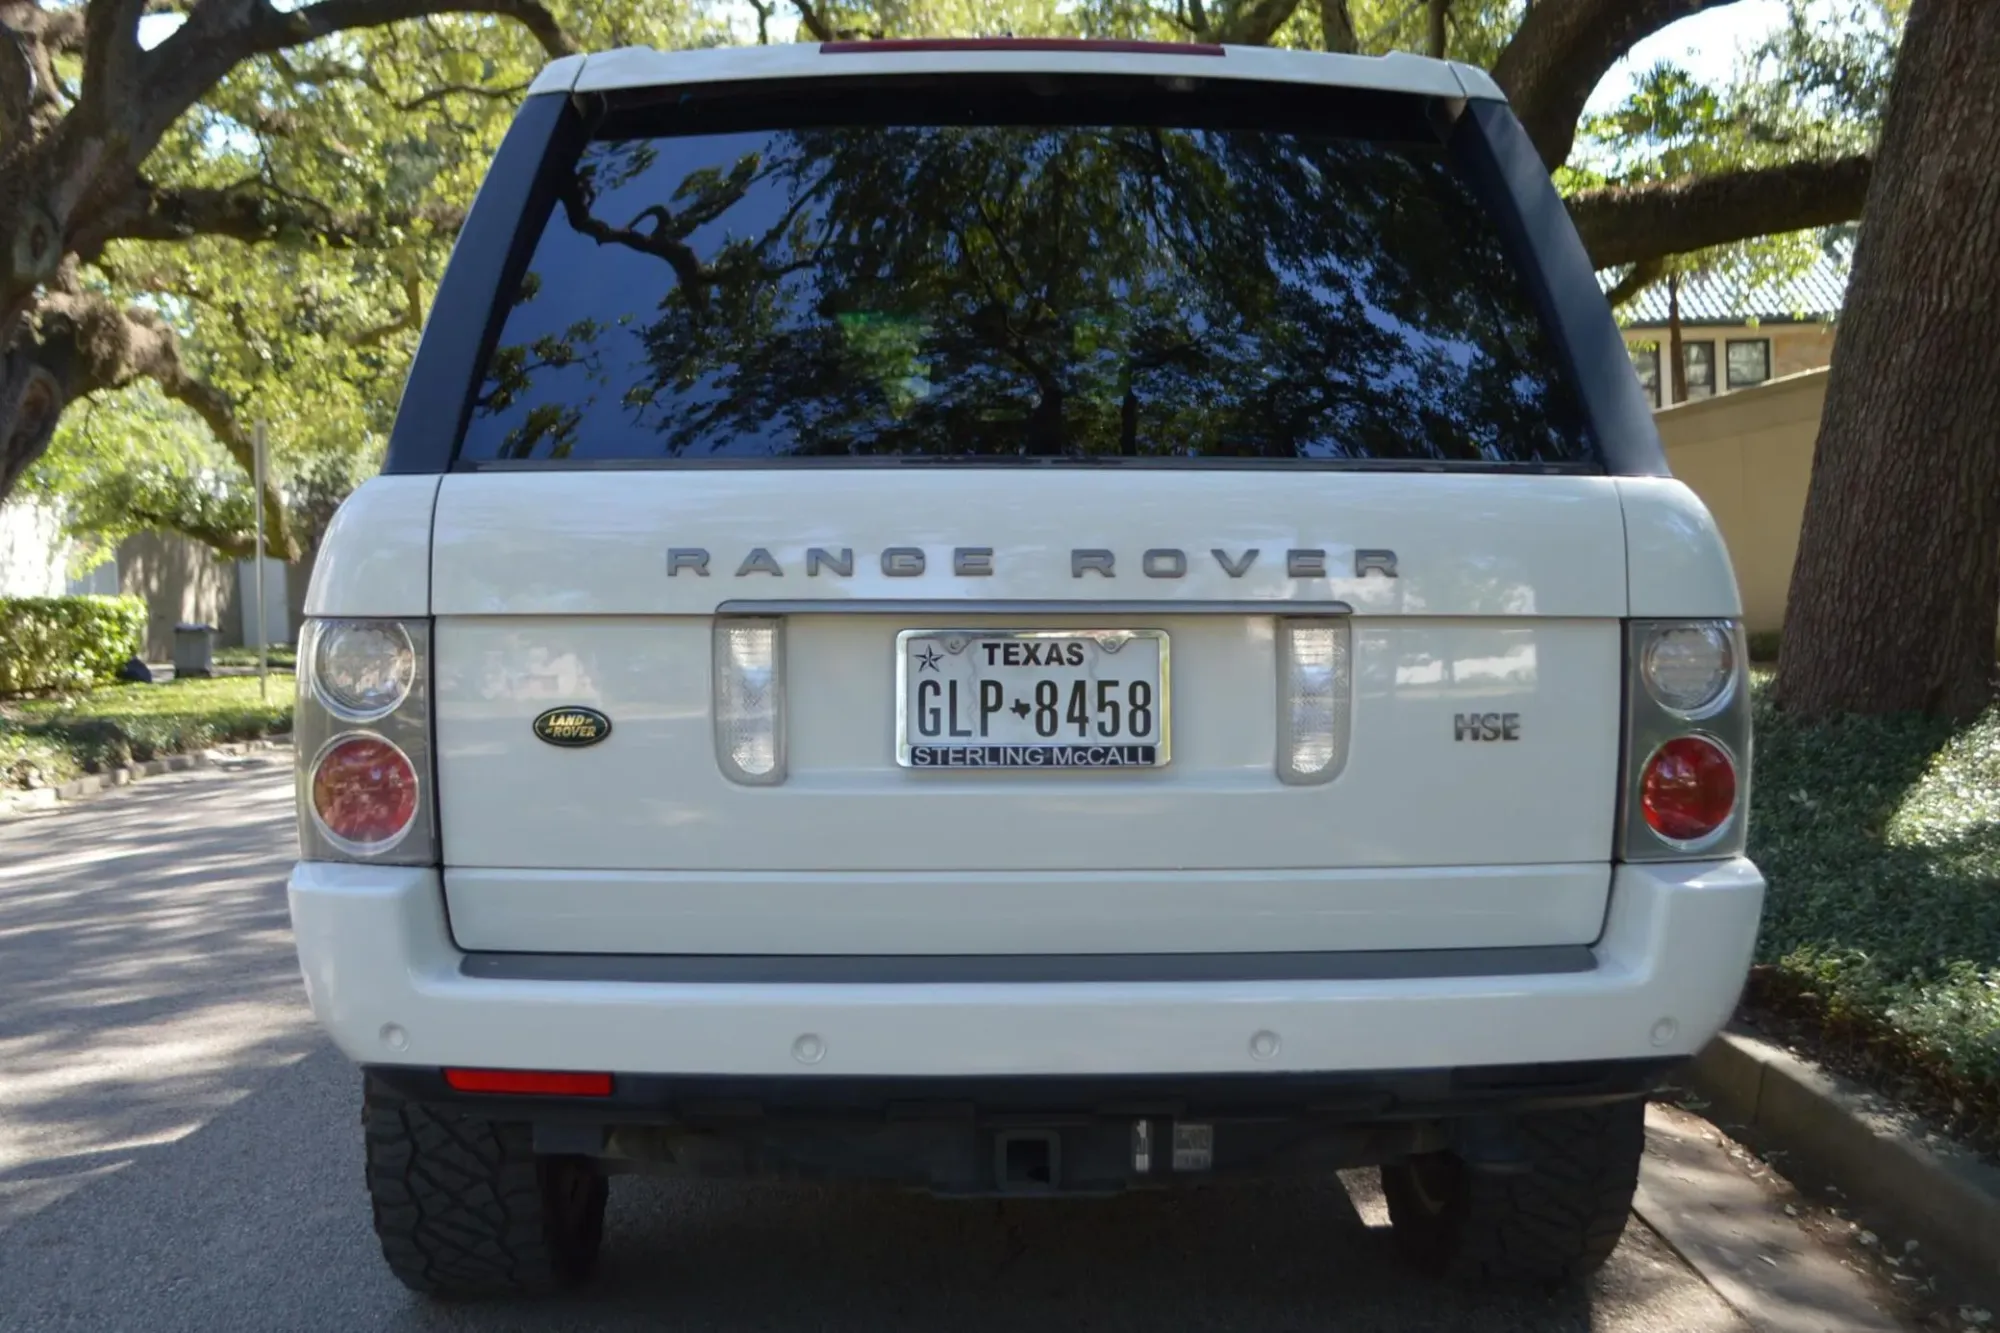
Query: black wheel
x=465, y=1208
x=1555, y=1221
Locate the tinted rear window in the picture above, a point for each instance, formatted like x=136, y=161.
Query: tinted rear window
x=989, y=274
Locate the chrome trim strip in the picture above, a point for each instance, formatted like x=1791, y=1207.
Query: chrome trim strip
x=1075, y=606
x=945, y=969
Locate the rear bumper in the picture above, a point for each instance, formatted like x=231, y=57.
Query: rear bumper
x=389, y=985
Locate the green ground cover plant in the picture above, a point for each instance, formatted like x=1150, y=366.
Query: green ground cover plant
x=1881, y=840
x=49, y=740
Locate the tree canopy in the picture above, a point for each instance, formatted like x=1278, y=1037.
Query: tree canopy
x=248, y=207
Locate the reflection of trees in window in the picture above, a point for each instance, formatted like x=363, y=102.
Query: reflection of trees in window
x=1020, y=291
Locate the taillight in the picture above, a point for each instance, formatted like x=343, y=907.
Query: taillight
x=362, y=731
x=364, y=793
x=1688, y=789
x=1687, y=741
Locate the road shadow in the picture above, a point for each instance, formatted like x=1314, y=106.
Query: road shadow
x=147, y=977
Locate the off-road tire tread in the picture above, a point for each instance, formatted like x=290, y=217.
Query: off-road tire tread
x=460, y=1204
x=1556, y=1222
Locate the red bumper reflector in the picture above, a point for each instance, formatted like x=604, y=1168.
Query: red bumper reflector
x=1021, y=44
x=529, y=1082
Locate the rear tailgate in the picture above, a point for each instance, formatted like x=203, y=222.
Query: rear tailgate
x=552, y=589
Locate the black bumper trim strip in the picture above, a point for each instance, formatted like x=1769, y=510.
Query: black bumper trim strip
x=944, y=969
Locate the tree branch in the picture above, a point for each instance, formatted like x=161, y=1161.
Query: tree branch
x=1563, y=48
x=1254, y=22
x=463, y=90
x=1635, y=223
x=1637, y=279
x=1336, y=25
x=410, y=320
x=250, y=214
x=813, y=22
x=155, y=354
x=221, y=34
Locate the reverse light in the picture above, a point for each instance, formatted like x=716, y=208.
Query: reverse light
x=363, y=669
x=750, y=700
x=529, y=1082
x=1313, y=692
x=1688, y=789
x=364, y=793
x=1688, y=667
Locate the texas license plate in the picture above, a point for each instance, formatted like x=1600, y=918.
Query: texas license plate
x=1032, y=698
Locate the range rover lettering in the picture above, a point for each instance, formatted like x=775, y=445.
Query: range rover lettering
x=1018, y=618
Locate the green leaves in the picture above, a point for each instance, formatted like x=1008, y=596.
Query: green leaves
x=63, y=643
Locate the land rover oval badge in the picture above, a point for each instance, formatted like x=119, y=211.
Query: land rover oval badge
x=573, y=727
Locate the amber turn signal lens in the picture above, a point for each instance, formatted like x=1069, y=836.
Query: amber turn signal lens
x=1688, y=790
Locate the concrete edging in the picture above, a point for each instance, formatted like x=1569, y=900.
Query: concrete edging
x=91, y=784
x=1883, y=1158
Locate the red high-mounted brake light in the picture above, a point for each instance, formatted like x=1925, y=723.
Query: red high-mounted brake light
x=529, y=1082
x=1111, y=47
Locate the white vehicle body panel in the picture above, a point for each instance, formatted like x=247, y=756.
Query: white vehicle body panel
x=384, y=979
x=375, y=557
x=549, y=542
x=1678, y=561
x=553, y=589
x=644, y=67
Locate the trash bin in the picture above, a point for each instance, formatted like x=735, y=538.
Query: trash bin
x=194, y=651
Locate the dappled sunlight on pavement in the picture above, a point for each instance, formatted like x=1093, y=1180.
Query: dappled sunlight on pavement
x=146, y=971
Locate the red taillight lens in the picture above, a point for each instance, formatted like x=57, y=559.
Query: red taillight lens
x=1688, y=790
x=364, y=791
x=529, y=1082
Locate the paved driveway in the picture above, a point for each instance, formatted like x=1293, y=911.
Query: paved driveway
x=179, y=1149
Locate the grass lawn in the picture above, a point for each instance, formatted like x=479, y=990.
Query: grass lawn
x=46, y=741
x=1881, y=839
x=282, y=656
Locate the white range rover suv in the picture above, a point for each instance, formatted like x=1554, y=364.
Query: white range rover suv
x=1018, y=617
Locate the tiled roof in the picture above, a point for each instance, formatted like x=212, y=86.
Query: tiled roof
x=1716, y=298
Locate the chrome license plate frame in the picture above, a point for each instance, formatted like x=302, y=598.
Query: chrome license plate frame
x=973, y=748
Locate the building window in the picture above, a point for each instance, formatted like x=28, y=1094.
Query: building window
x=1749, y=361
x=1698, y=361
x=1646, y=360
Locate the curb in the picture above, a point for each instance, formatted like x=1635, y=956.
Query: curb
x=1881, y=1156
x=92, y=784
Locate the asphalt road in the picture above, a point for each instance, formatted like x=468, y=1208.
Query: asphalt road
x=180, y=1149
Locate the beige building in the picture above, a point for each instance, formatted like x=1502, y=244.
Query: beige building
x=1749, y=456
x=1732, y=338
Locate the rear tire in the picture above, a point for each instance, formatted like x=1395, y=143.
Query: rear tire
x=1555, y=1222
x=465, y=1208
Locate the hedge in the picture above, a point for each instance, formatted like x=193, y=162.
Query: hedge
x=66, y=643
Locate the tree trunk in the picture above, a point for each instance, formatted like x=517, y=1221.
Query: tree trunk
x=1677, y=375
x=1894, y=595
x=1438, y=39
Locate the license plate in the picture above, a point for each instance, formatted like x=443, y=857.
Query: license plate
x=1032, y=698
